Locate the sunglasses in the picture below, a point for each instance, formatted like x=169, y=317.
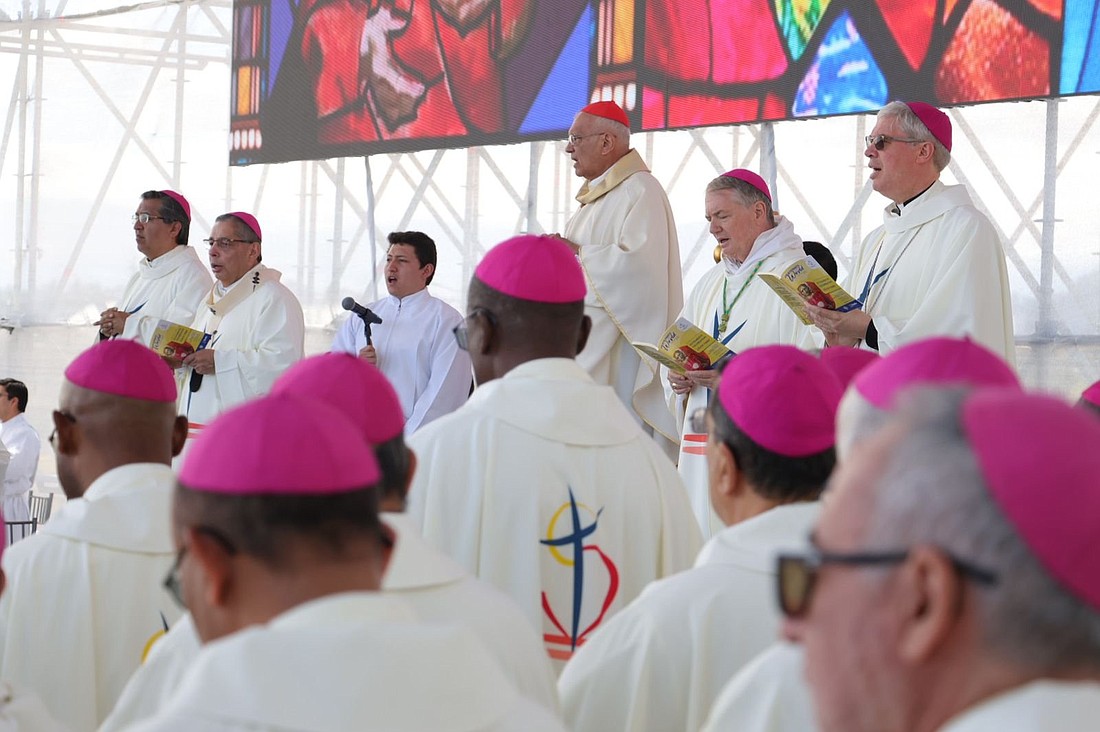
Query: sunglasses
x=879, y=142
x=796, y=573
x=462, y=331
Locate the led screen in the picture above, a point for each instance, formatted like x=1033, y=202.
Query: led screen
x=322, y=78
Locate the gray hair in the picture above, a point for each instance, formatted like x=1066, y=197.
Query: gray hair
x=619, y=132
x=856, y=420
x=914, y=129
x=931, y=491
x=746, y=192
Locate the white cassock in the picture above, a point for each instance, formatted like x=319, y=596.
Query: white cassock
x=371, y=668
x=84, y=596
x=23, y=445
x=5, y=458
x=1041, y=706
x=545, y=486
x=431, y=584
x=768, y=695
x=255, y=339
x=417, y=352
x=757, y=317
x=935, y=269
x=660, y=663
x=22, y=711
x=631, y=259
x=170, y=287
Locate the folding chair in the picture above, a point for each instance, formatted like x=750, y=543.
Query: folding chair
x=41, y=506
x=21, y=530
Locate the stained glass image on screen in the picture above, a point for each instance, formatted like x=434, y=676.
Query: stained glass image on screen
x=322, y=78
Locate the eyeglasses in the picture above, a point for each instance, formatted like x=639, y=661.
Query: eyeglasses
x=172, y=581
x=224, y=242
x=146, y=218
x=796, y=574
x=461, y=331
x=52, y=439
x=879, y=142
x=574, y=139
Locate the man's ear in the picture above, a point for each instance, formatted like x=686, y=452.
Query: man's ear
x=482, y=336
x=216, y=563
x=68, y=436
x=585, y=331
x=430, y=270
x=724, y=478
x=929, y=597
x=179, y=435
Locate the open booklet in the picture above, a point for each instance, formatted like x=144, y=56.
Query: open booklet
x=175, y=342
x=685, y=347
x=806, y=283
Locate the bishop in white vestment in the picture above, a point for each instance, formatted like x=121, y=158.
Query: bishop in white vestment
x=543, y=484
x=103, y=555
x=736, y=307
x=660, y=663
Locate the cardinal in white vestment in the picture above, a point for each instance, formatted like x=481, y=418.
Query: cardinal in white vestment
x=625, y=236
x=171, y=280
x=660, y=663
x=22, y=446
x=279, y=562
x=543, y=484
x=949, y=586
x=103, y=555
x=936, y=265
x=255, y=324
x=736, y=307
x=412, y=344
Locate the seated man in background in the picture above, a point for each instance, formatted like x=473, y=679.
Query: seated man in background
x=279, y=561
x=543, y=483
x=84, y=596
x=660, y=663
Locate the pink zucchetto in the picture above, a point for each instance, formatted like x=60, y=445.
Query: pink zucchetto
x=936, y=120
x=751, y=178
x=249, y=221
x=846, y=363
x=608, y=110
x=350, y=384
x=125, y=369
x=280, y=444
x=1033, y=452
x=178, y=198
x=784, y=399
x=1092, y=395
x=935, y=361
x=535, y=268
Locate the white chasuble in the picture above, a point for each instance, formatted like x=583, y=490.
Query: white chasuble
x=545, y=486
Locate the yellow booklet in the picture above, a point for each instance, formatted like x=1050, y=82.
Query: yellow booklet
x=685, y=347
x=806, y=283
x=175, y=341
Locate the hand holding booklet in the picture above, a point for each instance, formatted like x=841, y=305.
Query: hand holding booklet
x=805, y=283
x=174, y=342
x=685, y=347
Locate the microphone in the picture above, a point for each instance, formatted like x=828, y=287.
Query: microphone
x=366, y=314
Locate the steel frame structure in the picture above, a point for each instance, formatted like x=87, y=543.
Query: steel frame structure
x=537, y=197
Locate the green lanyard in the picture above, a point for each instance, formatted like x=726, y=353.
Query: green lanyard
x=725, y=321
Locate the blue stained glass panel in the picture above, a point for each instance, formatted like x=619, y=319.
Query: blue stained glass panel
x=844, y=76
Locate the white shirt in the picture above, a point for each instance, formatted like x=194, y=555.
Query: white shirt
x=254, y=343
x=22, y=711
x=660, y=663
x=1041, y=706
x=938, y=269
x=170, y=287
x=535, y=457
x=434, y=587
x=24, y=445
x=757, y=317
x=631, y=258
x=768, y=695
x=372, y=668
x=102, y=558
x=417, y=352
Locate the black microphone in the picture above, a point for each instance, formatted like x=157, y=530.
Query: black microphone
x=366, y=314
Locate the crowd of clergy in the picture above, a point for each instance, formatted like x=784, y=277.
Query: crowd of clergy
x=510, y=520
